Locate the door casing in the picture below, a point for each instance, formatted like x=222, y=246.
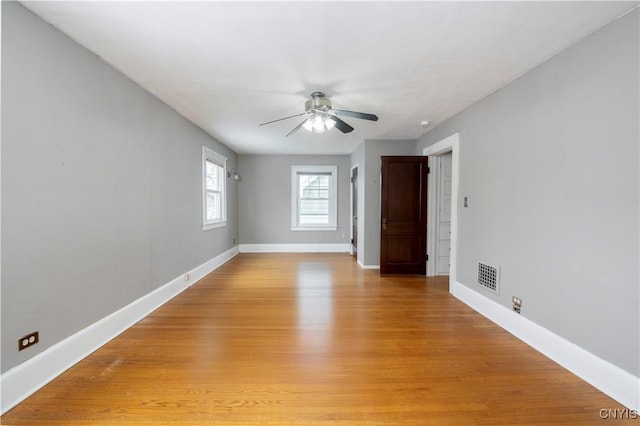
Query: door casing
x=444, y=146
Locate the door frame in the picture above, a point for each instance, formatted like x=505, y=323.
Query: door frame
x=354, y=167
x=435, y=209
x=451, y=145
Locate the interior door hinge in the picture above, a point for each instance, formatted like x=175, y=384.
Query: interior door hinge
x=427, y=257
x=428, y=170
x=352, y=241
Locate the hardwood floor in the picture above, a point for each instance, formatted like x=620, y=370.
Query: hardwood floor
x=312, y=338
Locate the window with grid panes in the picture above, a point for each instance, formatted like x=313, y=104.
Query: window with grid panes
x=313, y=197
x=214, y=189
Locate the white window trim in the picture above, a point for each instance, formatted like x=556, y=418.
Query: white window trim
x=211, y=155
x=333, y=197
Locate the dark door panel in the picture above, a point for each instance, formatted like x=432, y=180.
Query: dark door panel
x=404, y=215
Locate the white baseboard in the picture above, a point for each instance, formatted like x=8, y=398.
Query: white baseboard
x=23, y=380
x=619, y=384
x=363, y=266
x=294, y=248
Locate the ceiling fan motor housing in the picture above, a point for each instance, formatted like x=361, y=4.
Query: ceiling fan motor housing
x=318, y=102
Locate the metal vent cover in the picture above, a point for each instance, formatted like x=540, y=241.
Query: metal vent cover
x=489, y=277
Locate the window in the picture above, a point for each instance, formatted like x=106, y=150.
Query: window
x=314, y=198
x=214, y=190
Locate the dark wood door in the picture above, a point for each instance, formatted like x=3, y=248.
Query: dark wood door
x=403, y=230
x=354, y=218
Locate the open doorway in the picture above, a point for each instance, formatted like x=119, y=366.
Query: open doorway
x=441, y=172
x=354, y=211
x=442, y=210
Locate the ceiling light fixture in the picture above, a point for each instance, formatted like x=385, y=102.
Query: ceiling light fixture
x=321, y=117
x=319, y=122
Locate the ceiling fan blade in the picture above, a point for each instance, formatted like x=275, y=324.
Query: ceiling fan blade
x=341, y=125
x=296, y=129
x=354, y=114
x=280, y=119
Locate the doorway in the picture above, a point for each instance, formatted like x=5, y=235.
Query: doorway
x=442, y=175
x=451, y=146
x=403, y=215
x=354, y=211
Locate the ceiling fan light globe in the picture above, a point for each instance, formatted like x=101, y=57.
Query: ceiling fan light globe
x=308, y=125
x=330, y=123
x=318, y=124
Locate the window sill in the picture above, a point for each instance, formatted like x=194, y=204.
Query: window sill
x=314, y=228
x=209, y=226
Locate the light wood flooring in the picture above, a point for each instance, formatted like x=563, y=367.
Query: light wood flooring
x=299, y=339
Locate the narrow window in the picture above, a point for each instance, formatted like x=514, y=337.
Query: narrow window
x=314, y=198
x=214, y=168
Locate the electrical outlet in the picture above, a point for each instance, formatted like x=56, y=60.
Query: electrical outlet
x=517, y=304
x=187, y=277
x=28, y=340
x=234, y=241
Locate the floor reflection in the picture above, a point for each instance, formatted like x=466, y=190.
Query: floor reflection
x=315, y=306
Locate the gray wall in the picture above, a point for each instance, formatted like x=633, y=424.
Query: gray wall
x=550, y=166
x=101, y=188
x=265, y=199
x=368, y=155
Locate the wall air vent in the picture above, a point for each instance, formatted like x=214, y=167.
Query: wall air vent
x=489, y=277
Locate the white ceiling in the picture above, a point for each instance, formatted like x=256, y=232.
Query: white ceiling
x=228, y=66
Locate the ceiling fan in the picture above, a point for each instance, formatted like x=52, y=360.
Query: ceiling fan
x=322, y=117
